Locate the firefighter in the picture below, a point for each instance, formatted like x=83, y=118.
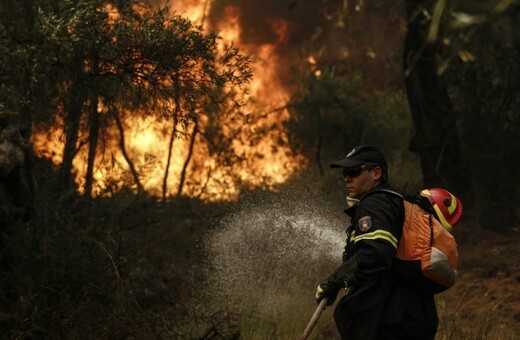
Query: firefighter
x=376, y=306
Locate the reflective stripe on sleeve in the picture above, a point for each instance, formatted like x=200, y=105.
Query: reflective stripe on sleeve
x=351, y=237
x=378, y=235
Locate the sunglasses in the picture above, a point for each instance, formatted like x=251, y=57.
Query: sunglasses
x=356, y=171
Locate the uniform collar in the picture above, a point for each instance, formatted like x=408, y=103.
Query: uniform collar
x=350, y=211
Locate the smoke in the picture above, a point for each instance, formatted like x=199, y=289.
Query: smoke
x=367, y=36
x=258, y=18
x=275, y=23
x=272, y=247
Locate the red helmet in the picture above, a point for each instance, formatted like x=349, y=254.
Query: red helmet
x=447, y=206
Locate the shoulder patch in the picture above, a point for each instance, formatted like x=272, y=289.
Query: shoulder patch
x=365, y=223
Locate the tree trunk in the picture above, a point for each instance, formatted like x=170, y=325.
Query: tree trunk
x=72, y=122
x=436, y=138
x=135, y=175
x=93, y=141
x=169, y=157
x=186, y=163
x=172, y=137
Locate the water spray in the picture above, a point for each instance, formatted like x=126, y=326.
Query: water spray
x=265, y=256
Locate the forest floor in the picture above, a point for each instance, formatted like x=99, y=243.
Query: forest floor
x=485, y=302
x=152, y=289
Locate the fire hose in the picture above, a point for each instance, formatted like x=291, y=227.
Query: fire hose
x=314, y=319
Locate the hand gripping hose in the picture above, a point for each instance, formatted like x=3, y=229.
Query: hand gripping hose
x=314, y=319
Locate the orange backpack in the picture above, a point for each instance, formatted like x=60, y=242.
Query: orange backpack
x=427, y=256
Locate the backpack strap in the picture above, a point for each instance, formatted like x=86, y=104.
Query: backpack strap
x=422, y=202
x=395, y=193
x=391, y=192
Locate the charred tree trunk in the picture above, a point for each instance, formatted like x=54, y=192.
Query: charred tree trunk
x=188, y=158
x=172, y=137
x=169, y=157
x=436, y=139
x=72, y=123
x=93, y=141
x=135, y=175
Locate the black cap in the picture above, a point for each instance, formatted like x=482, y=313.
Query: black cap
x=359, y=155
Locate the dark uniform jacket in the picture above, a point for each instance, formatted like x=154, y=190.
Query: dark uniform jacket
x=377, y=306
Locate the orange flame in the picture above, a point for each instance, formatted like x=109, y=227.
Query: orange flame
x=147, y=139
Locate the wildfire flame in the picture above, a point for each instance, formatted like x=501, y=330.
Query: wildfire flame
x=147, y=139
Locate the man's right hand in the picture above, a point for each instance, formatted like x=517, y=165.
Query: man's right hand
x=343, y=277
x=327, y=290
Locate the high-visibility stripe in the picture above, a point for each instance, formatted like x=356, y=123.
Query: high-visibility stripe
x=425, y=192
x=441, y=217
x=352, y=236
x=378, y=235
x=453, y=204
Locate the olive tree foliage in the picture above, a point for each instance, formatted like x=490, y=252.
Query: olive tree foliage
x=95, y=63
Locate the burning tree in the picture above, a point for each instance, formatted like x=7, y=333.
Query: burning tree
x=98, y=67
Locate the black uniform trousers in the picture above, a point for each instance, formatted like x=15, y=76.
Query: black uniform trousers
x=406, y=315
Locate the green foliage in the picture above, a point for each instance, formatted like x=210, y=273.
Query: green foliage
x=388, y=124
x=325, y=119
x=333, y=112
